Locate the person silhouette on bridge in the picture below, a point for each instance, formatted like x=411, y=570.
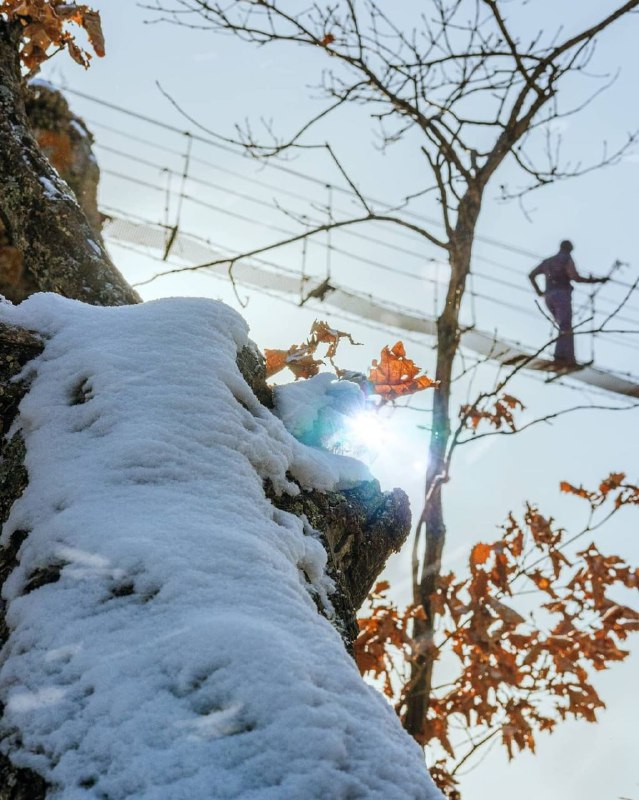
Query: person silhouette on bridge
x=560, y=272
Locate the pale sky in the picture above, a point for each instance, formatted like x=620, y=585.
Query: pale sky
x=220, y=82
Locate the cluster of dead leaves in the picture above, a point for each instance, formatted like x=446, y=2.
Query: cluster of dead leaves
x=614, y=486
x=45, y=29
x=384, y=639
x=300, y=358
x=518, y=673
x=393, y=375
x=499, y=415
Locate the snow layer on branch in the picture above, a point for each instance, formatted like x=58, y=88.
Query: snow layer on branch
x=316, y=411
x=165, y=642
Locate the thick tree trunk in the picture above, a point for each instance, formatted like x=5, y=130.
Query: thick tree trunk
x=359, y=527
x=41, y=217
x=432, y=520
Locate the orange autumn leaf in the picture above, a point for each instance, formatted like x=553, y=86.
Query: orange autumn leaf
x=395, y=375
x=328, y=39
x=613, y=481
x=302, y=363
x=512, y=402
x=322, y=333
x=579, y=491
x=299, y=359
x=501, y=414
x=542, y=582
x=93, y=26
x=275, y=361
x=480, y=554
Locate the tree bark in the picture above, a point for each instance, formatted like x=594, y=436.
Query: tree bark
x=41, y=217
x=20, y=784
x=67, y=142
x=17, y=347
x=359, y=528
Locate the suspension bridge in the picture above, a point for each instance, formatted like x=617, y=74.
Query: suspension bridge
x=177, y=177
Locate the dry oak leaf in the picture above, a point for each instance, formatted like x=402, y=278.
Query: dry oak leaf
x=564, y=486
x=322, y=333
x=395, y=375
x=508, y=614
x=613, y=481
x=92, y=24
x=499, y=416
x=480, y=554
x=299, y=359
x=512, y=402
x=542, y=582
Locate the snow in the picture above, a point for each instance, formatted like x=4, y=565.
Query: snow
x=180, y=654
x=52, y=191
x=79, y=129
x=314, y=410
x=42, y=83
x=95, y=247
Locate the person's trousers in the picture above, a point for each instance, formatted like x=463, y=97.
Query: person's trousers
x=559, y=302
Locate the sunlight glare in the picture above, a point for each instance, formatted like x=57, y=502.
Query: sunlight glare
x=369, y=430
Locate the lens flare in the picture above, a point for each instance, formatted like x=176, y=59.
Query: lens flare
x=367, y=434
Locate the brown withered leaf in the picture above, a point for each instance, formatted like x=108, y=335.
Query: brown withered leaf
x=499, y=415
x=303, y=364
x=568, y=488
x=542, y=582
x=395, y=375
x=613, y=481
x=93, y=25
x=322, y=333
x=299, y=359
x=480, y=554
x=513, y=402
x=508, y=614
x=77, y=54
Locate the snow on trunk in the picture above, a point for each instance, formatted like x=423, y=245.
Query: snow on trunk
x=164, y=639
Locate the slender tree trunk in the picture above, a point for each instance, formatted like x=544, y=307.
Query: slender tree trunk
x=432, y=519
x=40, y=214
